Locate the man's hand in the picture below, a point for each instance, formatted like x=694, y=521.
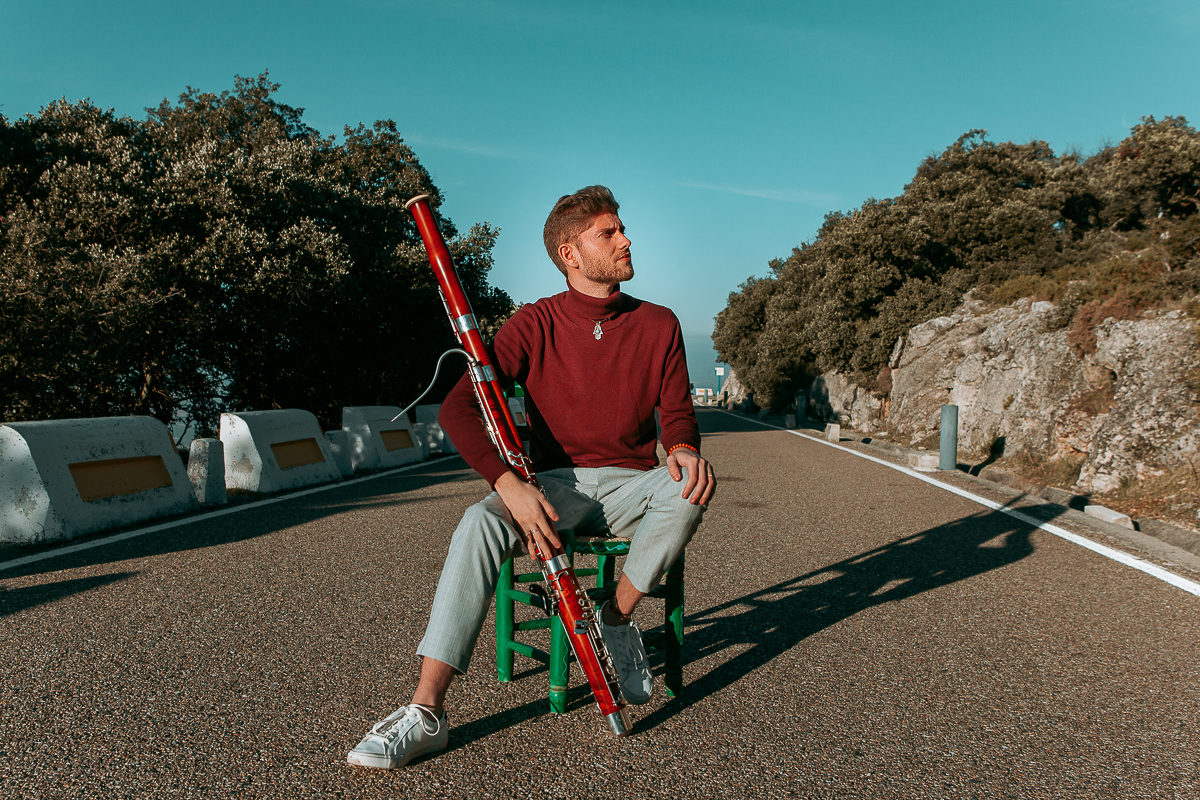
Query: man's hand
x=532, y=514
x=701, y=482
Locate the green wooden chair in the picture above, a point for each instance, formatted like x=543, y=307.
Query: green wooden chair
x=509, y=591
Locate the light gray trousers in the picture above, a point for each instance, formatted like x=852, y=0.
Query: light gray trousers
x=646, y=506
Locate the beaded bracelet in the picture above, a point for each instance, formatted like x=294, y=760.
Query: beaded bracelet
x=675, y=447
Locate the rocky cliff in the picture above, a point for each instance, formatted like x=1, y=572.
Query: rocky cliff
x=1128, y=411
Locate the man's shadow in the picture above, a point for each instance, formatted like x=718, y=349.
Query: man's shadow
x=775, y=619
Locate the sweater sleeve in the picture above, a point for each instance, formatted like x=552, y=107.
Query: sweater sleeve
x=461, y=417
x=676, y=416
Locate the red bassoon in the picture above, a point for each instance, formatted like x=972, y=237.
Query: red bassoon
x=567, y=597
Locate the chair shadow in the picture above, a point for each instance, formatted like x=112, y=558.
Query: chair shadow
x=775, y=619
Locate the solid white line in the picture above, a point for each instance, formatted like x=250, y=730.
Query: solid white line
x=75, y=548
x=1116, y=555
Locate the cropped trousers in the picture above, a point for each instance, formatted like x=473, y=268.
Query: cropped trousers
x=646, y=506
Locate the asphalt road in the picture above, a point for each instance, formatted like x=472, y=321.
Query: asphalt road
x=852, y=632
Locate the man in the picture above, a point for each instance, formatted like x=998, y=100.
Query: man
x=596, y=364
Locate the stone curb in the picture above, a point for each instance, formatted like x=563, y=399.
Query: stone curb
x=1163, y=531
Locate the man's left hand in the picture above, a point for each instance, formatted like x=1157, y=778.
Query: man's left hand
x=701, y=482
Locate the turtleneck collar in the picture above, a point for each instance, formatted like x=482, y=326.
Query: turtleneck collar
x=594, y=308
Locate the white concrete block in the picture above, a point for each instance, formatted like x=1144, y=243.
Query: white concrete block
x=206, y=471
x=833, y=432
x=63, y=478
x=516, y=406
x=421, y=432
x=340, y=448
x=439, y=442
x=1108, y=515
x=924, y=462
x=375, y=441
x=269, y=451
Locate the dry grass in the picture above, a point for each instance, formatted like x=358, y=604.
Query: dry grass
x=1173, y=497
x=1096, y=402
x=1059, y=473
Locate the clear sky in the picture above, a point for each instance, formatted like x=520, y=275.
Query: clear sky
x=727, y=131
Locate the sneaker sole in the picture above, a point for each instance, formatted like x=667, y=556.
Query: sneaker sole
x=637, y=700
x=374, y=761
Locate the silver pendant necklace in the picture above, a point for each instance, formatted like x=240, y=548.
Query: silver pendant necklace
x=598, y=331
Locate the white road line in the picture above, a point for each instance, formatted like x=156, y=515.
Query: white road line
x=1116, y=555
x=75, y=548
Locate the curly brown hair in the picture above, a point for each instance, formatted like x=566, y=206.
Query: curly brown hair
x=572, y=215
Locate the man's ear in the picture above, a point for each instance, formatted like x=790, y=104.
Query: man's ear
x=566, y=252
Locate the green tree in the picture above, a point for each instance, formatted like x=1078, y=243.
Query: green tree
x=1152, y=174
x=220, y=254
x=990, y=217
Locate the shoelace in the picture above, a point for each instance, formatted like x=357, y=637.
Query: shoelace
x=631, y=655
x=394, y=726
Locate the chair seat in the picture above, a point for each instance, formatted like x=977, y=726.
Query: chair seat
x=606, y=550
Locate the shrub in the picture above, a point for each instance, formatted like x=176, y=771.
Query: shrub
x=1082, y=335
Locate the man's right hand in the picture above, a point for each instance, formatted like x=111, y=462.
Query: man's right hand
x=532, y=514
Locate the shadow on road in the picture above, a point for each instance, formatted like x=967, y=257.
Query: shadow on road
x=777, y=618
x=248, y=523
x=715, y=423
x=14, y=600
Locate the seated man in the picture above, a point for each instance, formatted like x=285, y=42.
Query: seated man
x=596, y=364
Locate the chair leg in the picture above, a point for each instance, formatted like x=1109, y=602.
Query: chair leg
x=673, y=629
x=504, y=622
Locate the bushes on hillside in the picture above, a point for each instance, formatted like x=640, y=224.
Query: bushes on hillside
x=1114, y=233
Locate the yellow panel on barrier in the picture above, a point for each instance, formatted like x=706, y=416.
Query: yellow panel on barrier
x=113, y=477
x=396, y=440
x=297, y=453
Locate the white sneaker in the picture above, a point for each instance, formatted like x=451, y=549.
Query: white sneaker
x=624, y=644
x=409, y=732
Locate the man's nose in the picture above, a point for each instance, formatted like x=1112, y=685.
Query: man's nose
x=623, y=238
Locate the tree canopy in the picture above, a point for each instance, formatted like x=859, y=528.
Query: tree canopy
x=217, y=255
x=1002, y=219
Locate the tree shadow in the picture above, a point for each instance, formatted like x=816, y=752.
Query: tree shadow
x=715, y=423
x=775, y=619
x=14, y=600
x=248, y=523
x=995, y=453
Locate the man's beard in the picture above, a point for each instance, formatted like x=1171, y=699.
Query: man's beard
x=601, y=271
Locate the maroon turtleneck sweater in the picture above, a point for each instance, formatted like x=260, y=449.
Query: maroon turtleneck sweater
x=590, y=402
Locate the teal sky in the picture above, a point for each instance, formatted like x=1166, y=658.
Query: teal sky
x=726, y=134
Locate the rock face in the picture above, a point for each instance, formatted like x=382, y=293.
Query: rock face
x=833, y=396
x=733, y=390
x=1127, y=410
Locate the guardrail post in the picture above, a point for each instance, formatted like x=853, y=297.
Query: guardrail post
x=949, y=438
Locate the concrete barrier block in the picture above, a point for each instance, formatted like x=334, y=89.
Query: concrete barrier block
x=1108, y=515
x=340, y=448
x=269, y=451
x=376, y=442
x=206, y=471
x=789, y=421
x=63, y=478
x=833, y=432
x=516, y=406
x=421, y=432
x=923, y=462
x=439, y=442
